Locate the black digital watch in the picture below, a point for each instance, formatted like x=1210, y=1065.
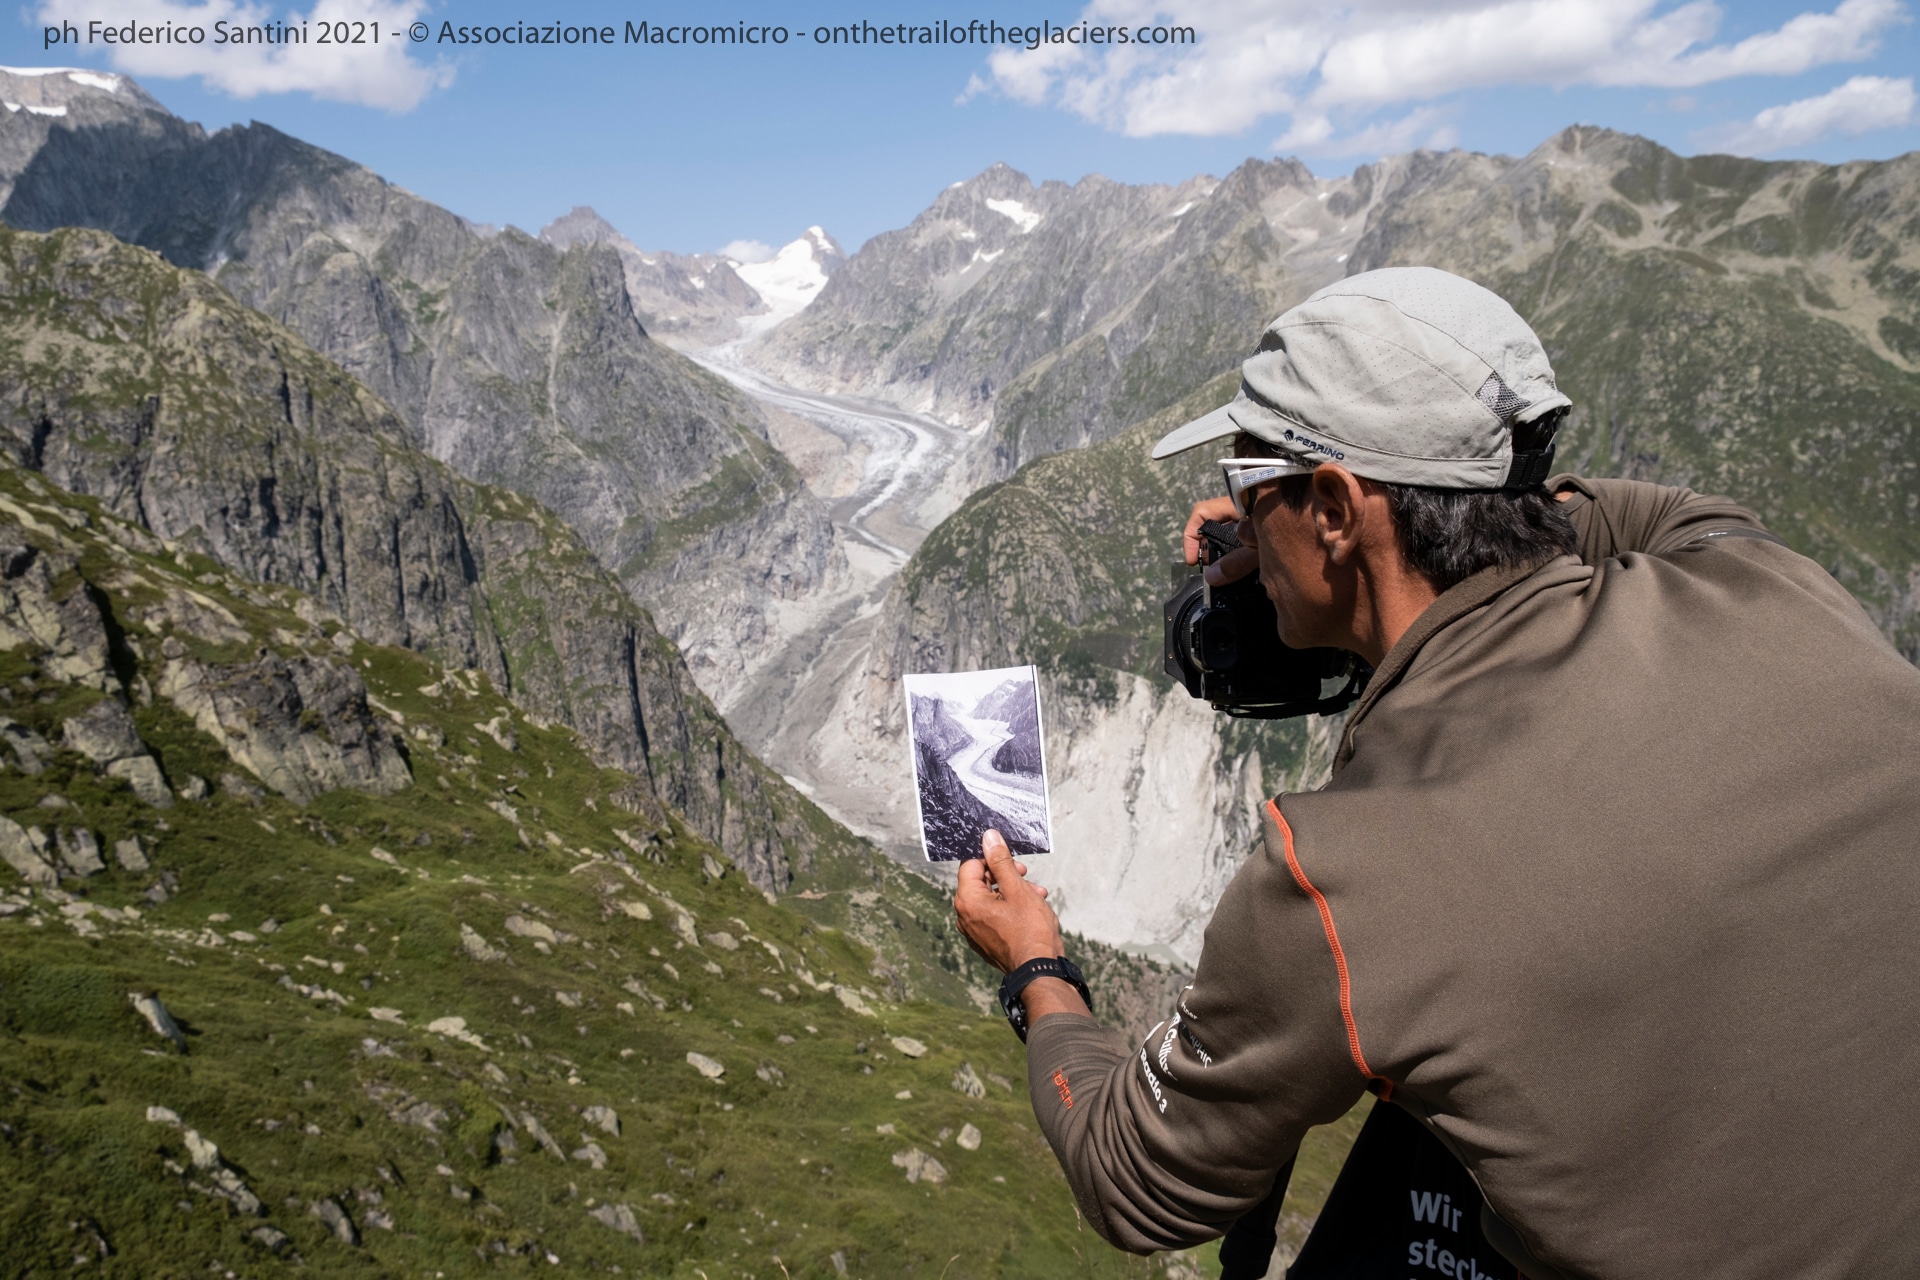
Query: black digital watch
x=1045, y=967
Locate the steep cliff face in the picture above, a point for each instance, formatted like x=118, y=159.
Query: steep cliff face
x=519, y=363
x=151, y=390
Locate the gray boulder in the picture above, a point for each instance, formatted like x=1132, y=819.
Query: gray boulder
x=335, y=1219
x=105, y=732
x=920, y=1166
x=301, y=725
x=620, y=1217
x=477, y=947
x=966, y=1080
x=80, y=850
x=537, y=1131
x=30, y=751
x=69, y=629
x=150, y=1008
x=106, y=735
x=23, y=853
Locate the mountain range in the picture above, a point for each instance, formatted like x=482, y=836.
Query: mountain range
x=1697, y=309
x=701, y=300
x=515, y=361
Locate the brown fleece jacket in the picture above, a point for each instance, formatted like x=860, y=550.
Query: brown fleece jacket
x=1615, y=887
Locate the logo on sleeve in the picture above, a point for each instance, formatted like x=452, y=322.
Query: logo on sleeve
x=1066, y=1093
x=1153, y=1082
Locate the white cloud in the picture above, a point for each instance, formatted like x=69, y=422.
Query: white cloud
x=1313, y=135
x=1861, y=104
x=1260, y=58
x=747, y=251
x=383, y=74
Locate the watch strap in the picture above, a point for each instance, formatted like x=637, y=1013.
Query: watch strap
x=1043, y=967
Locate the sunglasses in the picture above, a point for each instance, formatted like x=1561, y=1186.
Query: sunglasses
x=1244, y=474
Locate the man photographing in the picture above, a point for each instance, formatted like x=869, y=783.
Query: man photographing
x=1613, y=888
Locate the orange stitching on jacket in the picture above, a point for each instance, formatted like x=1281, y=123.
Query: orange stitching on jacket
x=1333, y=942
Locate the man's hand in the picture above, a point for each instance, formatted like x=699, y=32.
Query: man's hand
x=1235, y=564
x=1004, y=918
x=1008, y=922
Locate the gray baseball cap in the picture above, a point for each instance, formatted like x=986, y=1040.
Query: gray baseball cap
x=1408, y=375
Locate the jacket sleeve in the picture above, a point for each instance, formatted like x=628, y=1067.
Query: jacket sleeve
x=1167, y=1142
x=1618, y=517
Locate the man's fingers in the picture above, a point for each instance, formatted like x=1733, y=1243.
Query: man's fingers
x=1233, y=566
x=1211, y=509
x=999, y=859
x=973, y=880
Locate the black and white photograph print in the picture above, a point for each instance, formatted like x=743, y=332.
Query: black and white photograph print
x=978, y=764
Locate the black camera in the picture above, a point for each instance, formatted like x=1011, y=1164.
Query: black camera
x=1223, y=644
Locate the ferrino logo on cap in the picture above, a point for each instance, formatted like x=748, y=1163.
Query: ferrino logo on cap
x=1315, y=446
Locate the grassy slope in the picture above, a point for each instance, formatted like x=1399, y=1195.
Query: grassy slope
x=307, y=1098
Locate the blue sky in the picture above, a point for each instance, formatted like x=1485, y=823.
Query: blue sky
x=690, y=148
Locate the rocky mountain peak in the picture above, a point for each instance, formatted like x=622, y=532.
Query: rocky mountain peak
x=825, y=249
x=581, y=225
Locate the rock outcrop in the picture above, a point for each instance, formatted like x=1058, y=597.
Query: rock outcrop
x=106, y=735
x=519, y=363
x=207, y=428
x=300, y=725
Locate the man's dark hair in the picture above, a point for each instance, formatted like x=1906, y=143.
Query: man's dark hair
x=1448, y=535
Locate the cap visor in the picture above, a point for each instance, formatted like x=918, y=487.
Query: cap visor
x=1196, y=433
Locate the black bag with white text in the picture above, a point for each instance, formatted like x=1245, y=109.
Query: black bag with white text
x=1402, y=1209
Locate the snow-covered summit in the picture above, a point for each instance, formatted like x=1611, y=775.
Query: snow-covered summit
x=789, y=280
x=49, y=91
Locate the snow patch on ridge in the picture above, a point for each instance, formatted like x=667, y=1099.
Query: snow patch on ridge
x=91, y=79
x=1022, y=217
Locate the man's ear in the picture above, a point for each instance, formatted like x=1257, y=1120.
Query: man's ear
x=1339, y=511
